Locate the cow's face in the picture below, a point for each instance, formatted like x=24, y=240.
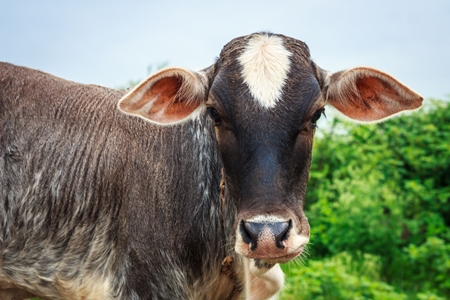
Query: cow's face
x=265, y=95
x=265, y=99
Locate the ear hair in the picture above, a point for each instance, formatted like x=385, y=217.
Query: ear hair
x=367, y=95
x=167, y=97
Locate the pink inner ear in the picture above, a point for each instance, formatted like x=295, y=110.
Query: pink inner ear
x=368, y=95
x=169, y=105
x=383, y=99
x=167, y=97
x=371, y=88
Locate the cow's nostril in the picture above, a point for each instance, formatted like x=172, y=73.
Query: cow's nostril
x=281, y=231
x=252, y=231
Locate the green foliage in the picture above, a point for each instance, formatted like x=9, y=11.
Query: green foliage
x=430, y=262
x=336, y=278
x=381, y=190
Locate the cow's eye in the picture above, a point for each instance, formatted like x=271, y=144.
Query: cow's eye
x=317, y=116
x=214, y=114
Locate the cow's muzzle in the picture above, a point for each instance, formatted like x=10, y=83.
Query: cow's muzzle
x=278, y=232
x=270, y=239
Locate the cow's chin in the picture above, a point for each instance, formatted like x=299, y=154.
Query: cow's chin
x=284, y=259
x=278, y=258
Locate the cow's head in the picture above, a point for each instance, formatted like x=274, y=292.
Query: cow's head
x=265, y=95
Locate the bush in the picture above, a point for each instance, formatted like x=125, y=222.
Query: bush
x=335, y=278
x=384, y=190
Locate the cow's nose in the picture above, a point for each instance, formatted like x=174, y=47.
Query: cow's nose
x=251, y=232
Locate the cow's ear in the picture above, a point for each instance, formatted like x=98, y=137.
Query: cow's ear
x=368, y=95
x=167, y=97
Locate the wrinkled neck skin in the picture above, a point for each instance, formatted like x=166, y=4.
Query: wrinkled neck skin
x=212, y=219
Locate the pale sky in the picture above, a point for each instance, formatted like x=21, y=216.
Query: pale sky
x=112, y=42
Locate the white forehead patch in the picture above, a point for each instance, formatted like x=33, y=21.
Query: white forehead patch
x=265, y=66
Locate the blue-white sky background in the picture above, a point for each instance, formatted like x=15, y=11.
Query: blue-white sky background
x=112, y=42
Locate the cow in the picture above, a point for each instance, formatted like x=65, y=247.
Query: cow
x=189, y=186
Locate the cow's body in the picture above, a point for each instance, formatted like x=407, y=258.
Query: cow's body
x=98, y=204
x=86, y=198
